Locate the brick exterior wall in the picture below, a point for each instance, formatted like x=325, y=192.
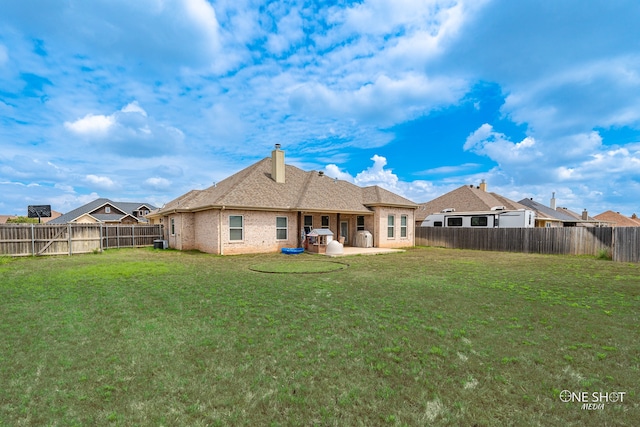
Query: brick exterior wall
x=380, y=238
x=208, y=231
x=259, y=232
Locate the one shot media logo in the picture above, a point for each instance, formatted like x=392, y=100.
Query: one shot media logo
x=592, y=401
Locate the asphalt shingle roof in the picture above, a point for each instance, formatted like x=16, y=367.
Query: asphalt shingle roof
x=124, y=207
x=253, y=188
x=618, y=220
x=467, y=198
x=546, y=212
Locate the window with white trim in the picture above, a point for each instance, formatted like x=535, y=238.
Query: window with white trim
x=391, y=226
x=107, y=209
x=236, y=227
x=360, y=223
x=403, y=226
x=325, y=221
x=281, y=228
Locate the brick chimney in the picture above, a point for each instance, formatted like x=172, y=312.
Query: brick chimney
x=277, y=165
x=585, y=215
x=483, y=185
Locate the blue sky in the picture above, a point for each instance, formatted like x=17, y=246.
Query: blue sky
x=146, y=100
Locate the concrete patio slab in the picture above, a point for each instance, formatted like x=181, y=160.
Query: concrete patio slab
x=350, y=250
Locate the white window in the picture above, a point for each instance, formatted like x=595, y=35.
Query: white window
x=107, y=209
x=281, y=228
x=403, y=226
x=236, y=227
x=391, y=225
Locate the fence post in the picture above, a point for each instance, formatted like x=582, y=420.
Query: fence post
x=133, y=237
x=100, y=237
x=69, y=231
x=613, y=244
x=33, y=241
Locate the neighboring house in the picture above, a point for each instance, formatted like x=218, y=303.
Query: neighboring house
x=108, y=212
x=54, y=215
x=615, y=219
x=466, y=199
x=5, y=218
x=266, y=207
x=550, y=216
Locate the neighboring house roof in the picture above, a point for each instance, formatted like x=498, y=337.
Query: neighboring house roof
x=5, y=218
x=545, y=212
x=54, y=215
x=467, y=198
x=311, y=191
x=617, y=220
x=124, y=208
x=582, y=219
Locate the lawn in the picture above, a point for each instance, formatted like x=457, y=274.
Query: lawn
x=426, y=337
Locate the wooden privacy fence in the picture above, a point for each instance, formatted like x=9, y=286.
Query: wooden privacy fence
x=69, y=239
x=622, y=243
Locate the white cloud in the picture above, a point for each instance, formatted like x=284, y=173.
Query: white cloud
x=203, y=15
x=289, y=32
x=158, y=183
x=128, y=132
x=334, y=171
x=377, y=174
x=385, y=101
x=91, y=125
x=495, y=145
x=101, y=182
x=134, y=107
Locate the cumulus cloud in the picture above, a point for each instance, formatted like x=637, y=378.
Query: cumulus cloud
x=128, y=132
x=378, y=174
x=158, y=183
x=485, y=141
x=91, y=125
x=101, y=182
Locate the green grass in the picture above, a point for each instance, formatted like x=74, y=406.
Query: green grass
x=425, y=337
